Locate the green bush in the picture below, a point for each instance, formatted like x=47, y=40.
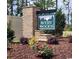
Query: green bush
x=10, y=33
x=32, y=42
x=68, y=28
x=46, y=52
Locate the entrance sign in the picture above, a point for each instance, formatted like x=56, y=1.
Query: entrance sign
x=46, y=20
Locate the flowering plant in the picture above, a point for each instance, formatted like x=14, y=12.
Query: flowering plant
x=32, y=42
x=45, y=52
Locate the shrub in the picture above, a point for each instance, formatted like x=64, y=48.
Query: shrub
x=60, y=22
x=68, y=28
x=52, y=41
x=24, y=40
x=45, y=52
x=32, y=42
x=10, y=33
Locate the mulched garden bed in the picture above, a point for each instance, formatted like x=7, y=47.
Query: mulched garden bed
x=61, y=51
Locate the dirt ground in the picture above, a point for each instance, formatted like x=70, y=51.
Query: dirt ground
x=61, y=51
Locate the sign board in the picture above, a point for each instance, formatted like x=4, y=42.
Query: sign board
x=46, y=20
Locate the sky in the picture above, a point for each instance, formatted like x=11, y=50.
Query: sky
x=60, y=5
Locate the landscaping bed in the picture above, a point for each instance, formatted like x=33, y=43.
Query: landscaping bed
x=61, y=51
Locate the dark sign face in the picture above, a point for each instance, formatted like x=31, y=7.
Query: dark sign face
x=46, y=21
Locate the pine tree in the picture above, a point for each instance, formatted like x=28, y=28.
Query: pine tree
x=44, y=4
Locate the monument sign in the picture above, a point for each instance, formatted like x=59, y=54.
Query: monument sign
x=46, y=20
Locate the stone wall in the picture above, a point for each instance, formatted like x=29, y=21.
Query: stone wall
x=16, y=24
x=26, y=25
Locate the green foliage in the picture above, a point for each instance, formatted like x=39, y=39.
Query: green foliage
x=46, y=52
x=68, y=28
x=64, y=0
x=44, y=4
x=10, y=7
x=10, y=33
x=59, y=24
x=9, y=1
x=32, y=42
x=19, y=4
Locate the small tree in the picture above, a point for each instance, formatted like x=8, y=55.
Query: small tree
x=10, y=33
x=44, y=4
x=60, y=22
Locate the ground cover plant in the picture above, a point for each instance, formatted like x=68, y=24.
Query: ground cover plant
x=45, y=52
x=53, y=41
x=24, y=40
